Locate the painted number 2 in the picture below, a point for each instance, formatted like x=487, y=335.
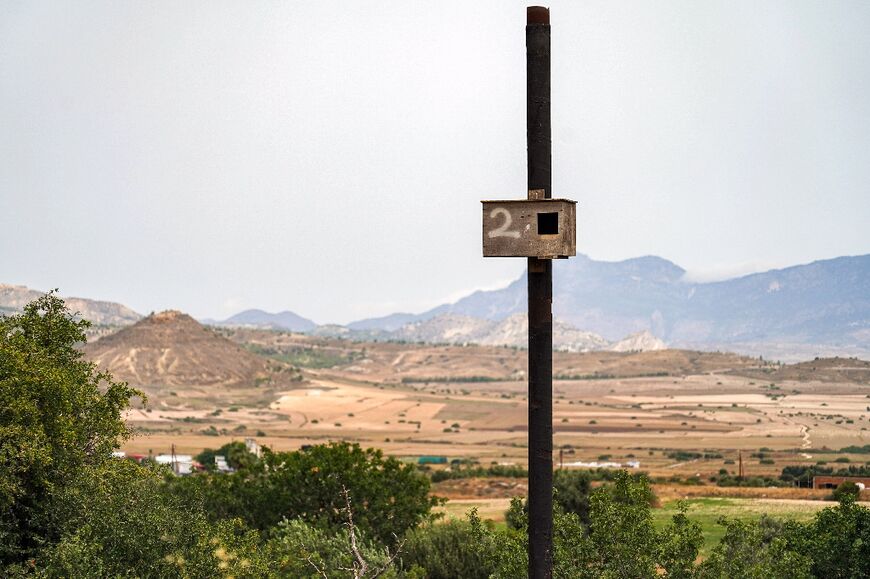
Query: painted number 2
x=502, y=230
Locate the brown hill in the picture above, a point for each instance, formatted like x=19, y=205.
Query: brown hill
x=397, y=362
x=820, y=369
x=172, y=349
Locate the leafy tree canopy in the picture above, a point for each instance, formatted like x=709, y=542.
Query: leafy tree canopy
x=389, y=496
x=619, y=540
x=117, y=521
x=58, y=414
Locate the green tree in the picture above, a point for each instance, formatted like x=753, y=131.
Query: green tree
x=621, y=529
x=447, y=550
x=679, y=545
x=504, y=551
x=573, y=488
x=299, y=549
x=846, y=488
x=58, y=415
x=390, y=496
x=237, y=454
x=116, y=520
x=749, y=550
x=619, y=540
x=838, y=540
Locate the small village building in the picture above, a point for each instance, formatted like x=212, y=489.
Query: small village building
x=221, y=465
x=253, y=447
x=832, y=482
x=179, y=463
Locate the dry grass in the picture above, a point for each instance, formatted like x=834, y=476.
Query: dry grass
x=667, y=493
x=702, y=405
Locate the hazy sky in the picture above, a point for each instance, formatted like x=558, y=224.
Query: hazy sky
x=329, y=157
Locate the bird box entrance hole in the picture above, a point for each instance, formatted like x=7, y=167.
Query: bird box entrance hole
x=548, y=223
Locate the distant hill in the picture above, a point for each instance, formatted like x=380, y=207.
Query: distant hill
x=285, y=320
x=387, y=323
x=444, y=329
x=819, y=370
x=805, y=311
x=13, y=298
x=512, y=331
x=172, y=349
x=825, y=302
x=642, y=341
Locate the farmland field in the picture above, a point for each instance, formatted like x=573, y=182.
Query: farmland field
x=708, y=511
x=704, y=510
x=469, y=402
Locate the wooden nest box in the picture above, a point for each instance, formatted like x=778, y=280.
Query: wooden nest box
x=542, y=228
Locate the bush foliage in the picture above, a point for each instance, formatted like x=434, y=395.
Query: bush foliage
x=69, y=509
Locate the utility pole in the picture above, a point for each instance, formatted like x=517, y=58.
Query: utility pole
x=541, y=229
x=540, y=286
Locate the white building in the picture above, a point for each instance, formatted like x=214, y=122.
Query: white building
x=179, y=463
x=253, y=447
x=220, y=463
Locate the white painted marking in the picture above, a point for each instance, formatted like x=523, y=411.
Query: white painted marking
x=502, y=231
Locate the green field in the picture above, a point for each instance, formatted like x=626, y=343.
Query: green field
x=708, y=511
x=488, y=509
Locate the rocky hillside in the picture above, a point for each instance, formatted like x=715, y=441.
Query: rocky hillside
x=445, y=329
x=638, y=342
x=172, y=349
x=14, y=297
x=511, y=331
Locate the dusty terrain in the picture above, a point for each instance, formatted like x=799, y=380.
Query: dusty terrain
x=469, y=402
x=178, y=362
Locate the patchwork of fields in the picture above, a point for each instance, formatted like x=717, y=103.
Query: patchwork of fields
x=673, y=414
x=653, y=408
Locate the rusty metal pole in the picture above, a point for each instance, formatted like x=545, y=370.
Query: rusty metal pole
x=540, y=286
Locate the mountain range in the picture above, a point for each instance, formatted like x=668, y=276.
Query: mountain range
x=820, y=308
x=825, y=302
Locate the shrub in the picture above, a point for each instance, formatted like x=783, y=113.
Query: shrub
x=299, y=549
x=117, y=520
x=846, y=489
x=447, y=550
x=838, y=540
x=748, y=550
x=572, y=492
x=509, y=471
